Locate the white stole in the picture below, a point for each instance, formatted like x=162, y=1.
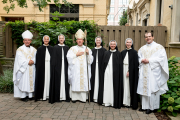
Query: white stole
x=126, y=95
x=47, y=75
x=96, y=81
x=62, y=84
x=108, y=95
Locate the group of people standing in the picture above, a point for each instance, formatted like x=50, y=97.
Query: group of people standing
x=112, y=78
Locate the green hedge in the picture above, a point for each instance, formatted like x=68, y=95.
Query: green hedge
x=53, y=29
x=171, y=100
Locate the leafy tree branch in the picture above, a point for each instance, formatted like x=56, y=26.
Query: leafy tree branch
x=40, y=3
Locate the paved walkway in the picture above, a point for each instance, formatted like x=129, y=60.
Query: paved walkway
x=11, y=108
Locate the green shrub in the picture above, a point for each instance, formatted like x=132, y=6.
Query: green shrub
x=6, y=82
x=53, y=29
x=170, y=109
x=123, y=19
x=171, y=100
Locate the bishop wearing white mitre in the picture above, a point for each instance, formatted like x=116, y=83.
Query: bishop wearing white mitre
x=77, y=69
x=24, y=68
x=153, y=73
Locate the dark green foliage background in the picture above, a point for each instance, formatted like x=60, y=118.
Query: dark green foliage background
x=53, y=29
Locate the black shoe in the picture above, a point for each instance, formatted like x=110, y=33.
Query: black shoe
x=148, y=111
x=73, y=101
x=59, y=101
x=67, y=100
x=31, y=98
x=141, y=110
x=123, y=106
x=24, y=99
x=84, y=102
x=127, y=106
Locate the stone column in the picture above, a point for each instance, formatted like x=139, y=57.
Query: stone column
x=175, y=27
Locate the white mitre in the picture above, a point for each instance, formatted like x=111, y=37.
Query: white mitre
x=80, y=34
x=27, y=34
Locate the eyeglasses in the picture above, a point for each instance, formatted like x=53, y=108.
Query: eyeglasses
x=27, y=40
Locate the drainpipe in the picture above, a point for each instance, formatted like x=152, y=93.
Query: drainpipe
x=171, y=7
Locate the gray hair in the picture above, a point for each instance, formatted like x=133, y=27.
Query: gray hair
x=46, y=36
x=112, y=41
x=61, y=35
x=128, y=39
x=98, y=37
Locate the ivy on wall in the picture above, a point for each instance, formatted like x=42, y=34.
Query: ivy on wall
x=53, y=29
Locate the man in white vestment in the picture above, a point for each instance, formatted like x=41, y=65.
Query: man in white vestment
x=77, y=69
x=24, y=68
x=153, y=73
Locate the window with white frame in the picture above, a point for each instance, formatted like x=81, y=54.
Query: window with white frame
x=120, y=2
x=119, y=16
x=110, y=17
x=122, y=9
x=111, y=9
x=119, y=8
x=112, y=2
x=123, y=2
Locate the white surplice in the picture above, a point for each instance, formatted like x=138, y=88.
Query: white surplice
x=62, y=84
x=96, y=83
x=77, y=73
x=108, y=95
x=126, y=95
x=152, y=76
x=47, y=75
x=24, y=74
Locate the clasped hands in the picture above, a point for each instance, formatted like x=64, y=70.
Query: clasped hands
x=79, y=53
x=145, y=61
x=127, y=74
x=31, y=62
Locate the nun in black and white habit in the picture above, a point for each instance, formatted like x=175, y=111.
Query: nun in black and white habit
x=59, y=88
x=42, y=80
x=97, y=53
x=111, y=81
x=130, y=75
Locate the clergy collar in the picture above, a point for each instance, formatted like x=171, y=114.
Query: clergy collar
x=46, y=45
x=113, y=50
x=98, y=47
x=61, y=45
x=80, y=46
x=150, y=43
x=128, y=49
